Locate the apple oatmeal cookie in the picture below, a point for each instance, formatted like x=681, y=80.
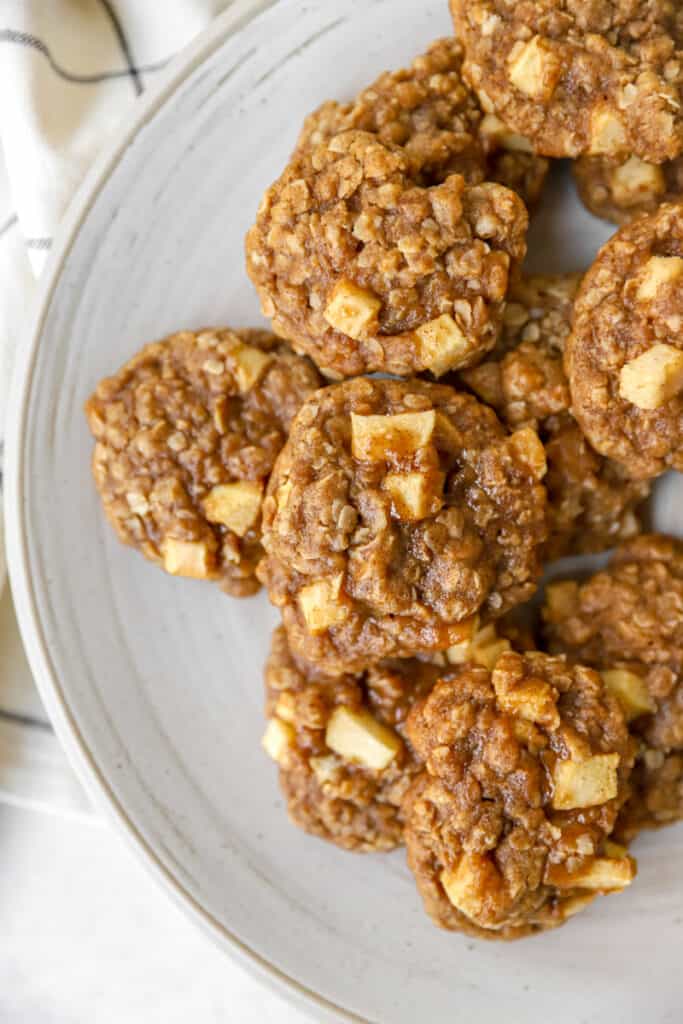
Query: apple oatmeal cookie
x=526, y=767
x=592, y=503
x=430, y=112
x=624, y=357
x=599, y=78
x=364, y=270
x=186, y=436
x=627, y=621
x=619, y=190
x=339, y=742
x=426, y=109
x=396, y=512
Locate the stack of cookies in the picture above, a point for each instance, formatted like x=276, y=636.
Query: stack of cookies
x=424, y=430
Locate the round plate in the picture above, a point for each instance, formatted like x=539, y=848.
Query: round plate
x=154, y=684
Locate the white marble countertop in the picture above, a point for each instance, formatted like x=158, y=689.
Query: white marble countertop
x=87, y=937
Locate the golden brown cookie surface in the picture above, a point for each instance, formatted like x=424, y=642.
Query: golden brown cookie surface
x=591, y=502
x=599, y=78
x=624, y=357
x=364, y=270
x=527, y=766
x=396, y=512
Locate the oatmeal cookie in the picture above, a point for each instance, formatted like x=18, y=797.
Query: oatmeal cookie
x=186, y=436
x=363, y=270
x=396, y=512
x=591, y=502
x=429, y=111
x=339, y=741
x=600, y=78
x=627, y=621
x=426, y=109
x=631, y=610
x=527, y=766
x=624, y=357
x=619, y=190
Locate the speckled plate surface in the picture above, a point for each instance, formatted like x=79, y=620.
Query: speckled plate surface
x=154, y=684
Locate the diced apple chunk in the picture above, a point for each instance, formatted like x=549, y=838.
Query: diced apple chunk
x=585, y=783
x=443, y=345
x=251, y=364
x=235, y=505
x=528, y=448
x=186, y=558
x=356, y=736
x=285, y=706
x=636, y=181
x=653, y=378
x=607, y=133
x=324, y=768
x=415, y=495
x=532, y=699
x=467, y=886
x=534, y=69
x=485, y=101
x=220, y=415
x=487, y=647
x=458, y=653
x=483, y=647
x=374, y=438
x=282, y=494
x=604, y=873
x=631, y=692
x=493, y=129
x=352, y=310
x=575, y=904
x=323, y=604
x=278, y=739
x=657, y=272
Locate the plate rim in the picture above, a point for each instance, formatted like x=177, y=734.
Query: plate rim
x=227, y=24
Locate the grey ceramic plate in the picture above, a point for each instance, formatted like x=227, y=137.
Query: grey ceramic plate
x=154, y=684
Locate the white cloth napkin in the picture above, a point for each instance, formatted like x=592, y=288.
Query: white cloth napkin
x=69, y=72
